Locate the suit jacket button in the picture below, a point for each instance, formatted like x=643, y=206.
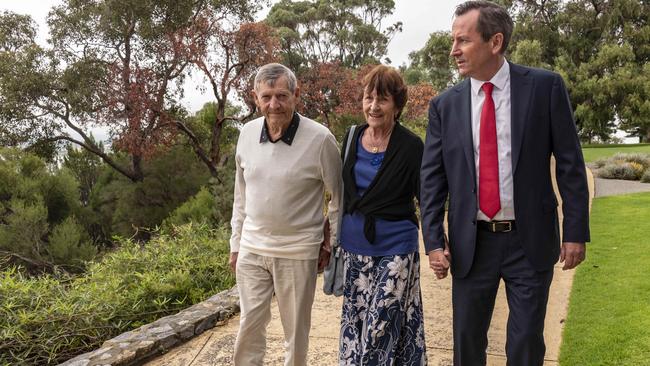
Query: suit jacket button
x=473, y=222
x=473, y=190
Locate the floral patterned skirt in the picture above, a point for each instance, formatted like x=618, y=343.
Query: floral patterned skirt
x=382, y=322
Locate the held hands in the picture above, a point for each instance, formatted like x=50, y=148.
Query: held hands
x=572, y=254
x=439, y=261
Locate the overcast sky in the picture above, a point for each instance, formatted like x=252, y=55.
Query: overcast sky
x=419, y=17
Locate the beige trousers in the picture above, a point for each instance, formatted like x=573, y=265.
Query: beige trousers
x=293, y=282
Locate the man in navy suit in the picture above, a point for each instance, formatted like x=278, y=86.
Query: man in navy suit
x=488, y=149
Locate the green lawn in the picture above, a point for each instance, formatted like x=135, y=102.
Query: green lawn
x=609, y=312
x=595, y=152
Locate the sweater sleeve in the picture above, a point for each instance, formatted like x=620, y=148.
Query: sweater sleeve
x=330, y=162
x=239, y=202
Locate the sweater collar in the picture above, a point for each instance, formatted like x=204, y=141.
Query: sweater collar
x=288, y=135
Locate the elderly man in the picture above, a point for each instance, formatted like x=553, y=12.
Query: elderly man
x=284, y=164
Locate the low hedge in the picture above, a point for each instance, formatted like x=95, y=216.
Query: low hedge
x=48, y=320
x=623, y=166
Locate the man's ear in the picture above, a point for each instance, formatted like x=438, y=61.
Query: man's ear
x=297, y=92
x=496, y=42
x=254, y=95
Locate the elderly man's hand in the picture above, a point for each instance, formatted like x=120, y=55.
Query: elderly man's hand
x=233, y=261
x=323, y=257
x=325, y=247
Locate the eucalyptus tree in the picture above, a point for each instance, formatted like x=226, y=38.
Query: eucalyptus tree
x=352, y=33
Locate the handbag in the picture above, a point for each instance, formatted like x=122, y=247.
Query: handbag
x=334, y=276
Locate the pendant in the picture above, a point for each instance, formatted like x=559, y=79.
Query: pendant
x=375, y=149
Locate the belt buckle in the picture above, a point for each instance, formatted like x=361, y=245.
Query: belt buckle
x=493, y=226
x=509, y=229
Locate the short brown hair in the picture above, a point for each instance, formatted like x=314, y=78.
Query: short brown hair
x=387, y=81
x=492, y=19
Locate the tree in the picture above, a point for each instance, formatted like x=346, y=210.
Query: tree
x=228, y=58
x=324, y=31
x=432, y=63
x=113, y=63
x=599, y=47
x=38, y=207
x=322, y=89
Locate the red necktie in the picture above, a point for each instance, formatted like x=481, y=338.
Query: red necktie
x=488, y=169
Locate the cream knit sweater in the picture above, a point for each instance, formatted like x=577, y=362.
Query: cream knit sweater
x=279, y=191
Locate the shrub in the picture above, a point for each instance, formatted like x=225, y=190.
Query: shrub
x=600, y=163
x=69, y=245
x=621, y=170
x=638, y=158
x=198, y=209
x=646, y=176
x=48, y=320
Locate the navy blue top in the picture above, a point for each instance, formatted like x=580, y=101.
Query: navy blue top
x=392, y=237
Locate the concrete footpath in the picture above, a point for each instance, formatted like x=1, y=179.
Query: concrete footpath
x=214, y=347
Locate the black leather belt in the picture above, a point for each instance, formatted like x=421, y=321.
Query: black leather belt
x=497, y=226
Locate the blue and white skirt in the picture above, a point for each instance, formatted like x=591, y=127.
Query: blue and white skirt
x=382, y=322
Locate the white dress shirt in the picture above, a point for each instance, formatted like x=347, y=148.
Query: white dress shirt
x=501, y=97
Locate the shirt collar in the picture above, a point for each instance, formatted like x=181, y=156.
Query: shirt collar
x=288, y=135
x=499, y=79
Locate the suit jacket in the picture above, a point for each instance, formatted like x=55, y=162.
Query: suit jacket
x=542, y=124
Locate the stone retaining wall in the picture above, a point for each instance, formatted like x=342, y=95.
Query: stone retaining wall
x=133, y=347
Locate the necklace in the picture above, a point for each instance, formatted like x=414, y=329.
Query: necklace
x=381, y=144
x=375, y=147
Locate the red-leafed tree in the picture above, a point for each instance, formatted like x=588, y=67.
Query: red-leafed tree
x=228, y=57
x=419, y=96
x=323, y=89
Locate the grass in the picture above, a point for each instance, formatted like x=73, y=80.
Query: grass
x=609, y=311
x=595, y=152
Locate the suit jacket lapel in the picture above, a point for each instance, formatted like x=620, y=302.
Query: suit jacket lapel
x=521, y=90
x=465, y=123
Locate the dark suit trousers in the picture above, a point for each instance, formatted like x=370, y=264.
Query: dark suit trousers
x=500, y=256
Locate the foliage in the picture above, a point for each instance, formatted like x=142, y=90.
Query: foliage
x=629, y=166
x=121, y=207
x=228, y=57
x=325, y=31
x=324, y=89
x=616, y=265
x=599, y=47
x=212, y=205
x=48, y=320
x=432, y=63
x=621, y=170
x=646, y=176
x=37, y=213
x=113, y=63
x=86, y=167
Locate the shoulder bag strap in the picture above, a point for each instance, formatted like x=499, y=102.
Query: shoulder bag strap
x=345, y=157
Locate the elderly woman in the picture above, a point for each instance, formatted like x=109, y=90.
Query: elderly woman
x=382, y=306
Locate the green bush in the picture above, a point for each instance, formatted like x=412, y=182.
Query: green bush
x=37, y=211
x=620, y=170
x=68, y=244
x=646, y=176
x=48, y=320
x=639, y=158
x=629, y=166
x=600, y=163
